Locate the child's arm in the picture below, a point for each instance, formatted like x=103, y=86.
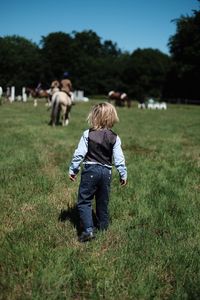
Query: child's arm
x=72, y=177
x=78, y=156
x=119, y=161
x=123, y=182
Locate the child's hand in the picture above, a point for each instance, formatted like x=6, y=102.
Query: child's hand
x=72, y=177
x=123, y=182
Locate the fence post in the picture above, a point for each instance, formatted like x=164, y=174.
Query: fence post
x=12, y=94
x=24, y=96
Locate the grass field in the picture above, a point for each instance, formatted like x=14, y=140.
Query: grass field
x=152, y=248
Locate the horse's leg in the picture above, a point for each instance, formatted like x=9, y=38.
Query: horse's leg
x=52, y=111
x=128, y=103
x=117, y=102
x=49, y=100
x=58, y=115
x=67, y=114
x=63, y=112
x=52, y=119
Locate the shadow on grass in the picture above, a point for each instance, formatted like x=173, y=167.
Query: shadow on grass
x=72, y=215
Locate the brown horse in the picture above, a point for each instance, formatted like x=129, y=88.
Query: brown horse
x=35, y=93
x=120, y=99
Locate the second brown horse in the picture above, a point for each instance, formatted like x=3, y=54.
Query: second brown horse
x=120, y=99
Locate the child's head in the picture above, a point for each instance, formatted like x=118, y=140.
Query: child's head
x=102, y=115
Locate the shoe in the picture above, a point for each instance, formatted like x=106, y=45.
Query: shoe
x=86, y=236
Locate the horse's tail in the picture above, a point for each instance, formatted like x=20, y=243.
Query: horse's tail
x=55, y=110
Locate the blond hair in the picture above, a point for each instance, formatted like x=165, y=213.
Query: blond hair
x=102, y=115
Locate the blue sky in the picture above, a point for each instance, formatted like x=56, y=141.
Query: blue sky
x=131, y=24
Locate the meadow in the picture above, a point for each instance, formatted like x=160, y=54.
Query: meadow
x=151, y=249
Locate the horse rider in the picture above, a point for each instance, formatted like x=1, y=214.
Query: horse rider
x=66, y=84
x=38, y=88
x=55, y=87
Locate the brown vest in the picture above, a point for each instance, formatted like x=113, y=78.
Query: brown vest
x=100, y=146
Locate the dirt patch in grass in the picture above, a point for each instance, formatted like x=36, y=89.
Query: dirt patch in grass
x=137, y=149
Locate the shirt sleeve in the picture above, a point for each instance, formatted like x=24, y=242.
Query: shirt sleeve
x=119, y=160
x=79, y=154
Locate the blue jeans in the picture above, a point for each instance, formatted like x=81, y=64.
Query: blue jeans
x=95, y=182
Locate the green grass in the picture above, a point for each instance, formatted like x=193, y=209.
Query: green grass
x=151, y=250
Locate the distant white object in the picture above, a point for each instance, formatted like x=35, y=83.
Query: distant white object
x=157, y=105
x=79, y=96
x=151, y=101
x=123, y=96
x=24, y=95
x=1, y=91
x=35, y=103
x=12, y=95
x=163, y=105
x=151, y=104
x=141, y=105
x=19, y=98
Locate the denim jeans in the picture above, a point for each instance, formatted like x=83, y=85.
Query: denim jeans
x=95, y=182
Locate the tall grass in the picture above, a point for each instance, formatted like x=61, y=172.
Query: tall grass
x=151, y=250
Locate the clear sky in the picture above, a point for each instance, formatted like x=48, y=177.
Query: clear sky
x=131, y=24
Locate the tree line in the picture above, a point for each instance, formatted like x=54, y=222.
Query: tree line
x=97, y=66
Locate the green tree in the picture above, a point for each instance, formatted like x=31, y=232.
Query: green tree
x=19, y=62
x=185, y=51
x=94, y=66
x=145, y=73
x=57, y=53
x=93, y=62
